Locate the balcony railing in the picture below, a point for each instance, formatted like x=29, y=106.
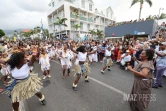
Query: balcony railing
x=83, y=18
x=90, y=20
x=72, y=15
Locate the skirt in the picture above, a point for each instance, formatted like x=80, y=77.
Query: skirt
x=81, y=69
x=107, y=62
x=26, y=88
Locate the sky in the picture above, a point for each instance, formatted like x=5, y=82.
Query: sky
x=16, y=14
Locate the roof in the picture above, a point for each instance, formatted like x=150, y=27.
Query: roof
x=90, y=1
x=26, y=30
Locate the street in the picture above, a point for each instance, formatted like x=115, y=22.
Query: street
x=104, y=92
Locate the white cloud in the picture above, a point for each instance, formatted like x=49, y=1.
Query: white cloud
x=123, y=12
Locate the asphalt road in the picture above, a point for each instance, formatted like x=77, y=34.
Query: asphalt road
x=104, y=92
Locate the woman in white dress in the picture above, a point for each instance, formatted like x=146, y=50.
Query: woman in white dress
x=45, y=64
x=65, y=56
x=24, y=84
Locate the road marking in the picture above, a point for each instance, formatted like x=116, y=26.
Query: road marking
x=101, y=83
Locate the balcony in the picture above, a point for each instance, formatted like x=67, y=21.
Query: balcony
x=83, y=18
x=90, y=20
x=72, y=15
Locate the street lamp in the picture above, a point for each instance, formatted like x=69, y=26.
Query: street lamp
x=159, y=14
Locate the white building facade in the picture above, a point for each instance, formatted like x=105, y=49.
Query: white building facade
x=89, y=17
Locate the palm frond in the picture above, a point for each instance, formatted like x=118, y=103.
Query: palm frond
x=64, y=19
x=64, y=25
x=162, y=16
x=149, y=2
x=134, y=2
x=58, y=18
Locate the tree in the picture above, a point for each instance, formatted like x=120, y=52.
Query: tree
x=60, y=22
x=100, y=34
x=2, y=33
x=46, y=32
x=92, y=32
x=76, y=27
x=149, y=17
x=141, y=4
x=162, y=16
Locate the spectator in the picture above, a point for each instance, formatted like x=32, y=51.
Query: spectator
x=126, y=58
x=160, y=65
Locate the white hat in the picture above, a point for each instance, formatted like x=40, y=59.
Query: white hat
x=164, y=43
x=127, y=51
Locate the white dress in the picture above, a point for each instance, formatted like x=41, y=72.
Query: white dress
x=65, y=59
x=95, y=58
x=45, y=63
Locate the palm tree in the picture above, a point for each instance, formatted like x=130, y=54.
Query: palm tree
x=60, y=22
x=141, y=4
x=92, y=32
x=100, y=34
x=76, y=27
x=162, y=16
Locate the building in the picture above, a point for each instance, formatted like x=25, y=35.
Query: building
x=137, y=29
x=89, y=17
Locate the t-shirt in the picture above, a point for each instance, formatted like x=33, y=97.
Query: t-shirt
x=107, y=53
x=161, y=61
x=127, y=58
x=21, y=73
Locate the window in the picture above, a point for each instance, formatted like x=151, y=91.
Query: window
x=72, y=23
x=83, y=3
x=107, y=13
x=88, y=26
x=90, y=7
x=81, y=24
x=52, y=4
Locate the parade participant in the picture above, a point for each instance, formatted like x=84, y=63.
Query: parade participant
x=28, y=57
x=107, y=60
x=58, y=50
x=5, y=70
x=24, y=85
x=44, y=60
x=94, y=47
x=65, y=59
x=143, y=73
x=83, y=66
x=160, y=65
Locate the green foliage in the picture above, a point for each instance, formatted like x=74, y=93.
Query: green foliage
x=100, y=33
x=141, y=2
x=92, y=32
x=162, y=16
x=150, y=17
x=2, y=33
x=77, y=26
x=61, y=22
x=46, y=32
x=26, y=34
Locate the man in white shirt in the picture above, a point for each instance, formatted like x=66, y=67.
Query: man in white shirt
x=126, y=57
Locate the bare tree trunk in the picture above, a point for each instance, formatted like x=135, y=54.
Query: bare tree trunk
x=140, y=12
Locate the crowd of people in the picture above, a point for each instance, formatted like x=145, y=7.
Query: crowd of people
x=133, y=21
x=145, y=58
